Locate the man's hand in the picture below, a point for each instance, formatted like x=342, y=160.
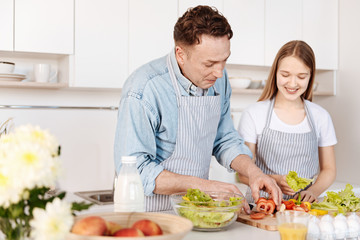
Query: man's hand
x=261, y=181
x=216, y=186
x=168, y=183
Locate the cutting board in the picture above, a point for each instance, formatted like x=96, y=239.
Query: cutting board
x=268, y=222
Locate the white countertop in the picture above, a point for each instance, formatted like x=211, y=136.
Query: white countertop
x=236, y=231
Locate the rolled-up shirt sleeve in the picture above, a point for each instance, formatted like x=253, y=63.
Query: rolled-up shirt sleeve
x=228, y=143
x=135, y=136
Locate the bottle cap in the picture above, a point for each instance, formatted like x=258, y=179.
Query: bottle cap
x=128, y=159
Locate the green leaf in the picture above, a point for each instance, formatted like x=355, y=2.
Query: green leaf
x=79, y=206
x=297, y=183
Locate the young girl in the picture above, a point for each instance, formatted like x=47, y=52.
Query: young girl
x=286, y=131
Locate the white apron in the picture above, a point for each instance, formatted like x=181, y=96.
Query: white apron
x=198, y=119
x=280, y=152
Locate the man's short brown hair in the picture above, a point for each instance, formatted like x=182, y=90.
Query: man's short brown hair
x=200, y=20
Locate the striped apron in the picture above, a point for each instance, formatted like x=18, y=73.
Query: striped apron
x=198, y=119
x=280, y=152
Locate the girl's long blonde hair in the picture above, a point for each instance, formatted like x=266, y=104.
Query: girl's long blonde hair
x=300, y=50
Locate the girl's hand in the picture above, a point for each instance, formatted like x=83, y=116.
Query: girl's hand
x=307, y=196
x=281, y=182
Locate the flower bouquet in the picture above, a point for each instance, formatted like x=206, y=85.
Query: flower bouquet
x=29, y=168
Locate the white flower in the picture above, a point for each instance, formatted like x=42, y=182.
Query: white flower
x=52, y=223
x=36, y=135
x=9, y=191
x=33, y=165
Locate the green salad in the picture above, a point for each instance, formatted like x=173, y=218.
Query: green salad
x=297, y=183
x=206, y=212
x=343, y=201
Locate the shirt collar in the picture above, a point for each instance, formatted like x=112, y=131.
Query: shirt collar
x=185, y=83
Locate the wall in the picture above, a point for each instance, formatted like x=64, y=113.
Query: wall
x=344, y=107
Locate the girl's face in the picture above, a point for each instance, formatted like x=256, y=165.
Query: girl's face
x=292, y=78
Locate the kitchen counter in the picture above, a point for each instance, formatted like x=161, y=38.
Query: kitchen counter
x=235, y=231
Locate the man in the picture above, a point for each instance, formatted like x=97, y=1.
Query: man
x=174, y=115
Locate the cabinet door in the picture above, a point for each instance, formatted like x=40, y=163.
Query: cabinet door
x=246, y=18
x=185, y=4
x=282, y=24
x=101, y=41
x=44, y=26
x=6, y=25
x=320, y=31
x=151, y=25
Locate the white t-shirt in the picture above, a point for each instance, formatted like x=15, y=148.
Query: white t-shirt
x=253, y=121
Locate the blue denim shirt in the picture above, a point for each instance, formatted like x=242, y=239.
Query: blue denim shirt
x=147, y=120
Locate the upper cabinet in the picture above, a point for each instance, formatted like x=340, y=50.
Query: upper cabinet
x=320, y=30
x=261, y=27
x=101, y=43
x=283, y=23
x=246, y=18
x=6, y=25
x=151, y=25
x=44, y=26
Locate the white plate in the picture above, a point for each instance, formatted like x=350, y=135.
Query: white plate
x=12, y=77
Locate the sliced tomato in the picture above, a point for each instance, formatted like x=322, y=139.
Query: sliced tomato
x=298, y=208
x=261, y=200
x=270, y=206
x=304, y=206
x=257, y=216
x=267, y=206
x=261, y=206
x=289, y=205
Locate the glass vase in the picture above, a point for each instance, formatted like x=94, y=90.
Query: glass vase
x=11, y=229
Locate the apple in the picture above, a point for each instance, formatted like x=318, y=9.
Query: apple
x=112, y=227
x=148, y=227
x=90, y=226
x=128, y=232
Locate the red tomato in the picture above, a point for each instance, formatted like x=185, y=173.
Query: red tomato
x=303, y=206
x=266, y=206
x=261, y=200
x=257, y=216
x=298, y=208
x=289, y=205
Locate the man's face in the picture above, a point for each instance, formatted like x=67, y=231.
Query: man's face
x=203, y=63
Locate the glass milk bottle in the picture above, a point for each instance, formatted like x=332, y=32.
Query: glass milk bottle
x=129, y=191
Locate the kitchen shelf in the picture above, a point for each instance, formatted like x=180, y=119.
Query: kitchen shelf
x=259, y=91
x=9, y=84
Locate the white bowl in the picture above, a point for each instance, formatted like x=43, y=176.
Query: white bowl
x=255, y=84
x=7, y=67
x=239, y=82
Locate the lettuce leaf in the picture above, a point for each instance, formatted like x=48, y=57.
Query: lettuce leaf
x=343, y=201
x=206, y=212
x=297, y=183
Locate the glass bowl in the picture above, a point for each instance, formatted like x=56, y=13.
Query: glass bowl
x=214, y=216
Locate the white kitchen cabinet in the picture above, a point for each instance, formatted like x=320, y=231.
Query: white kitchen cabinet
x=185, y=4
x=101, y=43
x=320, y=31
x=151, y=26
x=246, y=18
x=44, y=26
x=283, y=23
x=6, y=25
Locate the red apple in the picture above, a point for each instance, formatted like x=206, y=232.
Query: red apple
x=112, y=227
x=148, y=227
x=90, y=226
x=128, y=232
